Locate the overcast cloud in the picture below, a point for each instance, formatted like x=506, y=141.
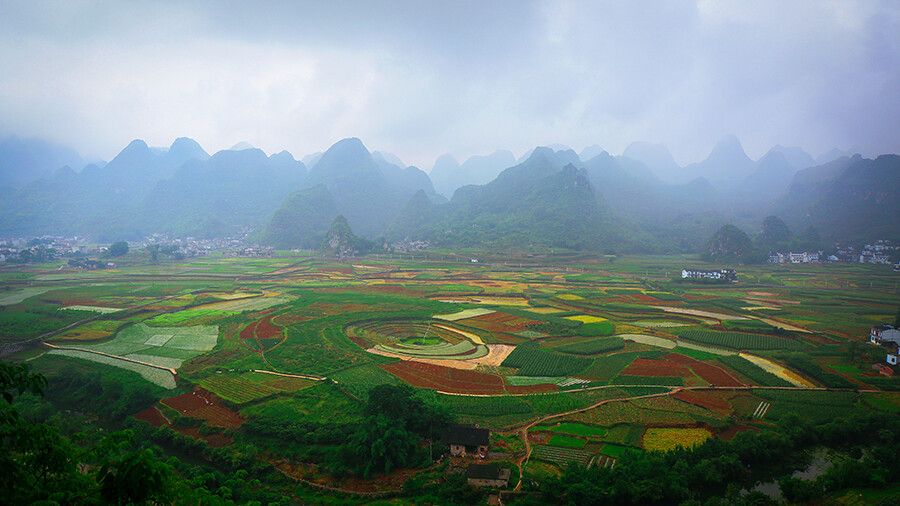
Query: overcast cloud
x=420, y=78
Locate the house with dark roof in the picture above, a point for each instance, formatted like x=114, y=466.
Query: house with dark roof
x=487, y=475
x=468, y=440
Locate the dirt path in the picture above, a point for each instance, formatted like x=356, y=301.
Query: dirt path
x=287, y=375
x=125, y=359
x=524, y=459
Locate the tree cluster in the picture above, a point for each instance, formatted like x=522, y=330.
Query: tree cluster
x=397, y=419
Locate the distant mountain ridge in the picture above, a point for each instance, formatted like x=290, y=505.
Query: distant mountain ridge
x=847, y=199
x=23, y=160
x=552, y=198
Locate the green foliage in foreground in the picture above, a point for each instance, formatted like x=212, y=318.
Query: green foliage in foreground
x=105, y=390
x=41, y=465
x=397, y=418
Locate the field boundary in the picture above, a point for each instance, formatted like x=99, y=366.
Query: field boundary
x=288, y=375
x=84, y=350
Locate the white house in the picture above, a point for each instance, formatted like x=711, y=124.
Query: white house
x=727, y=274
x=892, y=358
x=884, y=334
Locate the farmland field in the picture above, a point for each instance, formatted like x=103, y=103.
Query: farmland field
x=742, y=341
x=296, y=344
x=658, y=439
x=560, y=455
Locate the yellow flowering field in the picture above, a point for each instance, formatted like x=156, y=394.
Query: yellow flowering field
x=584, y=318
x=665, y=439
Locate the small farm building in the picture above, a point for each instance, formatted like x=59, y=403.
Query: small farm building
x=884, y=334
x=892, y=358
x=468, y=440
x=487, y=475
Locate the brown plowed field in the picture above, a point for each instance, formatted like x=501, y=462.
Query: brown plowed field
x=648, y=367
x=710, y=373
x=709, y=400
x=445, y=379
x=152, y=416
x=205, y=406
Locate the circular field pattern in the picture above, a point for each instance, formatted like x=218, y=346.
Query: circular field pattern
x=417, y=339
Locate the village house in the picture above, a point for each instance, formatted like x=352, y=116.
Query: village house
x=725, y=274
x=892, y=358
x=487, y=475
x=884, y=334
x=467, y=440
x=795, y=258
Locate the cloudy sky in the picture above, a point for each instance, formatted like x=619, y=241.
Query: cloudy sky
x=420, y=78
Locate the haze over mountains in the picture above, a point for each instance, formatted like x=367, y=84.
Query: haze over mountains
x=639, y=201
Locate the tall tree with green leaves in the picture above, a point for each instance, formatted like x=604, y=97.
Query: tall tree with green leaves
x=39, y=465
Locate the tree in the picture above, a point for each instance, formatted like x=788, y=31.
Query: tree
x=729, y=244
x=401, y=403
x=396, y=418
x=117, y=249
x=775, y=233
x=383, y=444
x=42, y=466
x=153, y=249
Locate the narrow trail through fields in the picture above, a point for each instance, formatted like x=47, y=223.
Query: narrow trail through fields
x=520, y=463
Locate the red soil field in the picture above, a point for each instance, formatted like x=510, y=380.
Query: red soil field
x=249, y=332
x=708, y=400
x=445, y=379
x=205, y=406
x=648, y=367
x=362, y=343
x=339, y=270
x=642, y=297
x=714, y=375
x=507, y=320
x=152, y=416
x=266, y=330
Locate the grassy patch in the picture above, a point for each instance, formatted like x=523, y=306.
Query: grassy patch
x=567, y=442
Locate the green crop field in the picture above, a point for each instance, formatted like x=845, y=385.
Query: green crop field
x=359, y=380
x=742, y=341
x=567, y=442
x=593, y=346
x=534, y=361
x=560, y=455
x=575, y=429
